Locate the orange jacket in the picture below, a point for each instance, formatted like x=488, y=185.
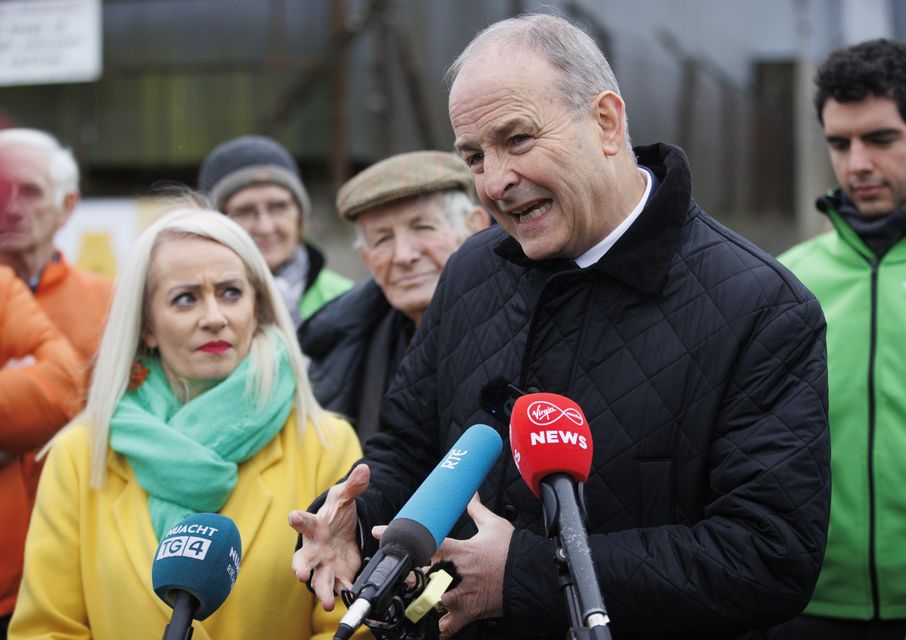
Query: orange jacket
x=76, y=301
x=39, y=390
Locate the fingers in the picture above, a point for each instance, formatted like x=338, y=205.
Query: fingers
x=378, y=531
x=476, y=510
x=322, y=583
x=303, y=522
x=356, y=484
x=451, y=622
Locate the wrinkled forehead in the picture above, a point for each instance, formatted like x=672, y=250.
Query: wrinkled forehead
x=405, y=211
x=18, y=160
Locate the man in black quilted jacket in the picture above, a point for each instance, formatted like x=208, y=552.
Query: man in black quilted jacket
x=699, y=362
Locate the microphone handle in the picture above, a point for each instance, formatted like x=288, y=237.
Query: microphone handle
x=184, y=607
x=558, y=493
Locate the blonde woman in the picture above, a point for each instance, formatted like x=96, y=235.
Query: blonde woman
x=199, y=402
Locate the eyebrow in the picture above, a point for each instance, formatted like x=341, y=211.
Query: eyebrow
x=498, y=131
x=874, y=133
x=229, y=282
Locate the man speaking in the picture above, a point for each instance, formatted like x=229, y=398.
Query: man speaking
x=697, y=359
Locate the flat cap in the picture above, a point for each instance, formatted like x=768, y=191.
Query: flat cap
x=403, y=176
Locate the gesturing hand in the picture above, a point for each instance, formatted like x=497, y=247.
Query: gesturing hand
x=480, y=561
x=330, y=555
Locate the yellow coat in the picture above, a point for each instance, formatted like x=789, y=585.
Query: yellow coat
x=88, y=554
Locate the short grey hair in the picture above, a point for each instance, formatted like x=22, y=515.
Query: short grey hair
x=454, y=203
x=584, y=70
x=61, y=165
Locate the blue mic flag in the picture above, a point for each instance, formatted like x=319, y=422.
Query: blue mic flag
x=199, y=555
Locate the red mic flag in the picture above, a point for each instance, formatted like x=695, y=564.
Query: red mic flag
x=549, y=434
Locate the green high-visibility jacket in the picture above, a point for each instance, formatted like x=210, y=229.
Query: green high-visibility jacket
x=864, y=301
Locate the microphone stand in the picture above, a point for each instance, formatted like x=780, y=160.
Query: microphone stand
x=565, y=524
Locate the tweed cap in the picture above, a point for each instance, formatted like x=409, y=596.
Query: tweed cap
x=403, y=176
x=246, y=161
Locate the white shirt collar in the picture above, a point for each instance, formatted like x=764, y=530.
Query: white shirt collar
x=597, y=252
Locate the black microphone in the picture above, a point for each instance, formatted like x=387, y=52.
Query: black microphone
x=195, y=568
x=422, y=524
x=498, y=396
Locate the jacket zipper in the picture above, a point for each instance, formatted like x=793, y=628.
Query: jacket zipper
x=872, y=564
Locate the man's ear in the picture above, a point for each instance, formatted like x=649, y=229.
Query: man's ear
x=70, y=200
x=609, y=114
x=364, y=255
x=477, y=219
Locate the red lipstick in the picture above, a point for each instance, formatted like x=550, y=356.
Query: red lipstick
x=215, y=347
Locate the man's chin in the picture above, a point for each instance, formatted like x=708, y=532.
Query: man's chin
x=874, y=208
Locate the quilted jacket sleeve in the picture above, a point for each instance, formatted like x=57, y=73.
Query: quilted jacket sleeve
x=39, y=379
x=754, y=558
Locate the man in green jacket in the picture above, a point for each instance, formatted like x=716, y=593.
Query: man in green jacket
x=858, y=272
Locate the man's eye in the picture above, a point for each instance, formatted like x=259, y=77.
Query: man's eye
x=242, y=212
x=518, y=139
x=474, y=159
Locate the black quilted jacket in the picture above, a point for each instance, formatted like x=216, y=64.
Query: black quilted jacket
x=355, y=343
x=700, y=364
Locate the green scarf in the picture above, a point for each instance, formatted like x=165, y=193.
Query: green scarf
x=186, y=456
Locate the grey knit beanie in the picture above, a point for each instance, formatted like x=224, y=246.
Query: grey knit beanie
x=246, y=161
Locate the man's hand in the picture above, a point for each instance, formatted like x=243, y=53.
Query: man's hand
x=330, y=555
x=480, y=561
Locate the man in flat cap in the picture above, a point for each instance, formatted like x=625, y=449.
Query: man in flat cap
x=256, y=182
x=411, y=211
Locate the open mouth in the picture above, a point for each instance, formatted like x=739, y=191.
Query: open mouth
x=531, y=212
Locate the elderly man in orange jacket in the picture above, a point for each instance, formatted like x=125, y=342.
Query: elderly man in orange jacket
x=39, y=371
x=39, y=189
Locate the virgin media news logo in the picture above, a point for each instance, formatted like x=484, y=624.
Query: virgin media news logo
x=543, y=414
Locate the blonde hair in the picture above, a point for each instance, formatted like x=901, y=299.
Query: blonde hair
x=122, y=341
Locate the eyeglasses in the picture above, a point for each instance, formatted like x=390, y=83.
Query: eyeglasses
x=278, y=210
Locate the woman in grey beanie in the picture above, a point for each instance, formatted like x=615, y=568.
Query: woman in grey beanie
x=256, y=182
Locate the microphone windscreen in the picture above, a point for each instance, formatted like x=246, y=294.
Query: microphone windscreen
x=549, y=434
x=199, y=555
x=426, y=519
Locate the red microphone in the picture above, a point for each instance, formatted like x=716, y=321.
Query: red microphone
x=549, y=434
x=552, y=447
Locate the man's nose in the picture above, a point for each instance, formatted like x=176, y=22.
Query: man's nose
x=859, y=157
x=406, y=249
x=497, y=179
x=264, y=220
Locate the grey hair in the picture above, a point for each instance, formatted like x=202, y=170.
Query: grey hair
x=122, y=341
x=61, y=165
x=455, y=204
x=584, y=70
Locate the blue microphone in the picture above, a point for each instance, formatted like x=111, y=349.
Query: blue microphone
x=195, y=568
x=418, y=529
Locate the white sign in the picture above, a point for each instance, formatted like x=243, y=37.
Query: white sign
x=49, y=41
